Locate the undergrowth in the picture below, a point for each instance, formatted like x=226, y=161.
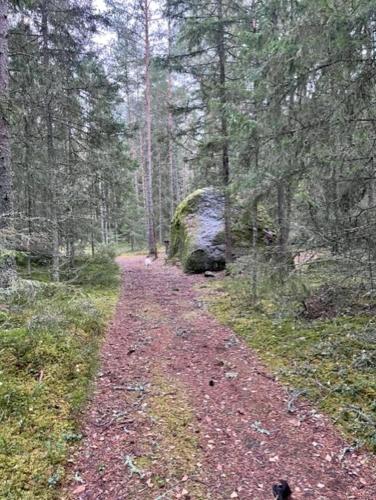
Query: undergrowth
x=49, y=340
x=331, y=360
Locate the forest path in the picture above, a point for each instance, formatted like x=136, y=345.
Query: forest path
x=183, y=409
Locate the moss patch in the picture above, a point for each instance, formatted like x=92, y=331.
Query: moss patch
x=332, y=360
x=174, y=460
x=50, y=335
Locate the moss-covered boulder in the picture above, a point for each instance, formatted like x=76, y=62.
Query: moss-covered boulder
x=197, y=232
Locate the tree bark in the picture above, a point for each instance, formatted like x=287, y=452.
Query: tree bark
x=174, y=191
x=160, y=199
x=254, y=250
x=283, y=214
x=224, y=130
x=51, y=160
x=148, y=165
x=7, y=262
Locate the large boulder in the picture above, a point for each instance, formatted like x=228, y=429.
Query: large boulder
x=197, y=232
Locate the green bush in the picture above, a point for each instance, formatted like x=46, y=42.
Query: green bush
x=97, y=271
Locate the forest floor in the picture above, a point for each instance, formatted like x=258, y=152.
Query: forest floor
x=184, y=409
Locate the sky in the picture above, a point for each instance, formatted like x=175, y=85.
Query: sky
x=99, y=4
x=103, y=38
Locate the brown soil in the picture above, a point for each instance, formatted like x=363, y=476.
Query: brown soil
x=183, y=409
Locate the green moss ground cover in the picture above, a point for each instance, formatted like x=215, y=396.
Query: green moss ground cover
x=332, y=361
x=49, y=340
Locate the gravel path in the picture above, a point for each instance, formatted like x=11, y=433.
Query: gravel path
x=183, y=409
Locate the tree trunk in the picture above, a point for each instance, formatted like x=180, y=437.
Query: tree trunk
x=254, y=250
x=283, y=212
x=28, y=194
x=102, y=214
x=160, y=199
x=334, y=203
x=224, y=130
x=51, y=160
x=7, y=262
x=174, y=196
x=148, y=165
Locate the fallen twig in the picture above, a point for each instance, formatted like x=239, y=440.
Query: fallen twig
x=346, y=450
x=257, y=427
x=128, y=460
x=294, y=395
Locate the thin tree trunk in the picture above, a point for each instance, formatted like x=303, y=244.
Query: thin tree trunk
x=29, y=205
x=224, y=131
x=7, y=262
x=283, y=213
x=136, y=189
x=102, y=213
x=148, y=165
x=51, y=160
x=143, y=177
x=174, y=196
x=254, y=250
x=70, y=221
x=94, y=196
x=334, y=201
x=281, y=208
x=160, y=199
x=370, y=236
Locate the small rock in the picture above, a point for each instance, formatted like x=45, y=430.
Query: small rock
x=231, y=342
x=209, y=274
x=231, y=375
x=181, y=332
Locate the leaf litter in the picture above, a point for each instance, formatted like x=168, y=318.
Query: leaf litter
x=188, y=439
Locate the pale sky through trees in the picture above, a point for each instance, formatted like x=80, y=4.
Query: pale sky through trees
x=99, y=4
x=104, y=37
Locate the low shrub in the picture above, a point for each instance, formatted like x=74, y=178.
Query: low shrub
x=98, y=271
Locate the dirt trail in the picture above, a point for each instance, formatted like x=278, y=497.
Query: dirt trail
x=183, y=409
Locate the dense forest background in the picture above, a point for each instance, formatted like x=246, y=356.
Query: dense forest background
x=116, y=114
